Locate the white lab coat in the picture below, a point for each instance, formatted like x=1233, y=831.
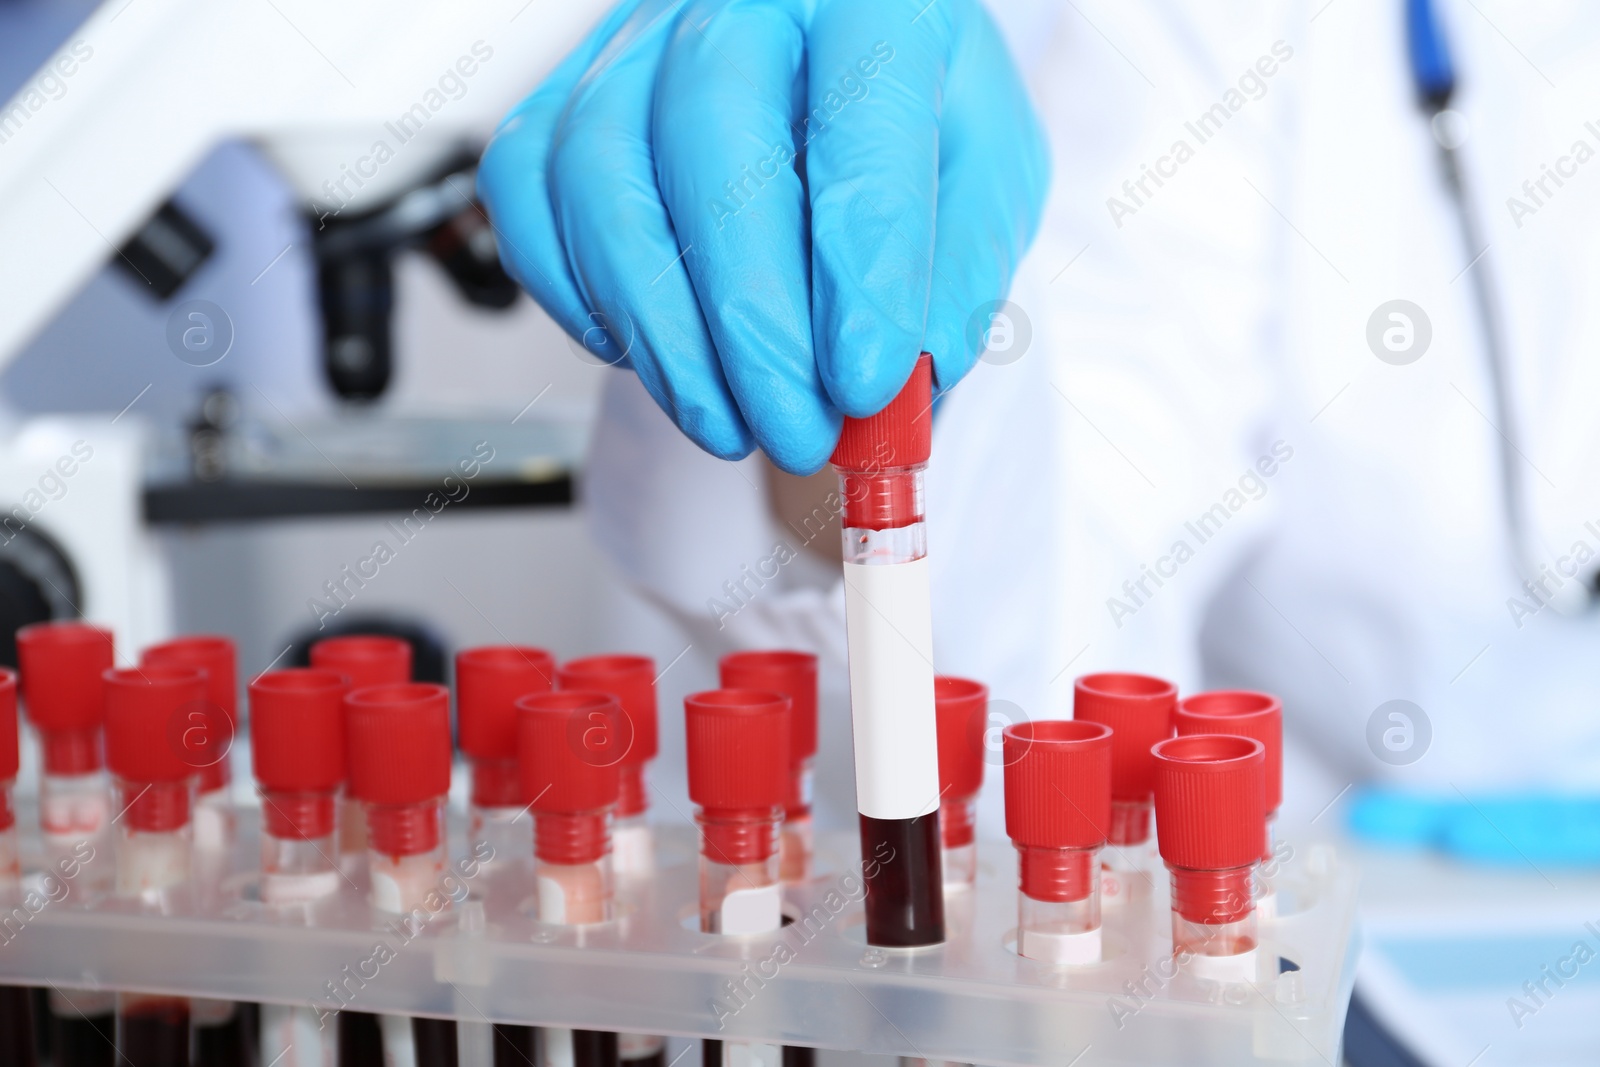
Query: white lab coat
x=1183, y=349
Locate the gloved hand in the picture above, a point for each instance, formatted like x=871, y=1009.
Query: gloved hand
x=768, y=208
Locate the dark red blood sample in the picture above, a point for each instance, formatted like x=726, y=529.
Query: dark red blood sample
x=594, y=1048
x=902, y=868
x=513, y=1045
x=16, y=1026
x=435, y=1041
x=155, y=1033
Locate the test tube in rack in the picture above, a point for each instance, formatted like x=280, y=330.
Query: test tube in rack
x=1246, y=714
x=963, y=710
x=489, y=681
x=146, y=711
x=1058, y=806
x=208, y=735
x=364, y=660
x=399, y=765
x=794, y=674
x=16, y=1002
x=632, y=681
x=889, y=629
x=571, y=744
x=738, y=749
x=1139, y=710
x=1212, y=831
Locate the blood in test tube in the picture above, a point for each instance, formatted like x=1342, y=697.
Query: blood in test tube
x=398, y=739
x=146, y=711
x=888, y=622
x=61, y=664
x=571, y=744
x=17, y=1028
x=1245, y=713
x=1139, y=710
x=631, y=680
x=297, y=744
x=963, y=711
x=364, y=659
x=1058, y=809
x=489, y=682
x=794, y=674
x=208, y=735
x=1211, y=826
x=739, y=763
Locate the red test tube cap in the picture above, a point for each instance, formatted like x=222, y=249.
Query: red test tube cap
x=489, y=682
x=1243, y=713
x=1139, y=710
x=62, y=666
x=148, y=710
x=1209, y=801
x=398, y=742
x=215, y=655
x=901, y=435
x=962, y=707
x=570, y=745
x=297, y=730
x=1058, y=783
x=738, y=747
x=794, y=674
x=10, y=756
x=365, y=659
x=632, y=681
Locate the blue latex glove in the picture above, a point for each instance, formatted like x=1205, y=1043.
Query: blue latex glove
x=1516, y=830
x=768, y=208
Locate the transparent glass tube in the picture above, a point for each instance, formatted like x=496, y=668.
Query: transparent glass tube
x=1130, y=853
x=574, y=874
x=632, y=846
x=1058, y=905
x=215, y=821
x=298, y=851
x=352, y=831
x=1213, y=913
x=739, y=874
x=795, y=840
x=958, y=820
x=406, y=856
x=497, y=816
x=155, y=837
x=75, y=826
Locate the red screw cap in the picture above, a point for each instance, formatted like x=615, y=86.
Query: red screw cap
x=1209, y=797
x=365, y=659
x=398, y=739
x=9, y=753
x=794, y=674
x=738, y=744
x=489, y=681
x=962, y=706
x=901, y=435
x=632, y=681
x=215, y=655
x=1244, y=714
x=1058, y=783
x=297, y=730
x=570, y=744
x=61, y=665
x=1139, y=709
x=148, y=710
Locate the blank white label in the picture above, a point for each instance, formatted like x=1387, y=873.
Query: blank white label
x=889, y=624
x=1062, y=950
x=751, y=911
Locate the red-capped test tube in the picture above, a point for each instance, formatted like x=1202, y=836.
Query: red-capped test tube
x=1058, y=805
x=1245, y=713
x=794, y=674
x=1212, y=831
x=963, y=709
x=632, y=681
x=60, y=670
x=297, y=745
x=571, y=744
x=489, y=682
x=399, y=761
x=1139, y=710
x=889, y=628
x=207, y=738
x=738, y=748
x=365, y=660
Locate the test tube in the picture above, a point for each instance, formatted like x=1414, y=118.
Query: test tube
x=889, y=628
x=1058, y=807
x=1246, y=714
x=570, y=744
x=632, y=681
x=1139, y=710
x=488, y=683
x=1212, y=831
x=208, y=733
x=17, y=1040
x=794, y=674
x=739, y=767
x=398, y=758
x=365, y=660
x=146, y=711
x=963, y=710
